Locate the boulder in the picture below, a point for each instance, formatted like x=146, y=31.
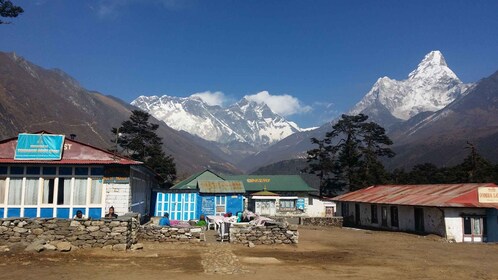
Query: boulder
x=36, y=246
x=251, y=245
x=137, y=246
x=64, y=246
x=119, y=247
x=49, y=247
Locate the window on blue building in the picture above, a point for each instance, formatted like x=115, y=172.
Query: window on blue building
x=3, y=185
x=15, y=191
x=33, y=170
x=48, y=191
x=49, y=170
x=17, y=170
x=31, y=191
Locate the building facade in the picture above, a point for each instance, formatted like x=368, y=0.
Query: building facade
x=82, y=178
x=459, y=212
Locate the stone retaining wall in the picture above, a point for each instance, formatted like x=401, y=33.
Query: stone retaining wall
x=322, y=221
x=152, y=232
x=118, y=234
x=277, y=233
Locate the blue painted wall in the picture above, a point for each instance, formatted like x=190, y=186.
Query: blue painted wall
x=492, y=224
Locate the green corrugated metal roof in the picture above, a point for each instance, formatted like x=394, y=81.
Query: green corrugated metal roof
x=191, y=182
x=273, y=183
x=220, y=186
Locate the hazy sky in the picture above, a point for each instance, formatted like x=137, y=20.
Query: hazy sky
x=311, y=60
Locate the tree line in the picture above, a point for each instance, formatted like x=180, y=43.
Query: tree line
x=350, y=158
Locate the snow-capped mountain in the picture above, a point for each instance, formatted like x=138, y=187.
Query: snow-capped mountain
x=429, y=88
x=245, y=121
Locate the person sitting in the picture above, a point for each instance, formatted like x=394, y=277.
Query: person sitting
x=202, y=221
x=111, y=213
x=79, y=215
x=164, y=221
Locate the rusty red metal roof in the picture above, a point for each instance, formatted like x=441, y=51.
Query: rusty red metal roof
x=74, y=152
x=441, y=195
x=220, y=186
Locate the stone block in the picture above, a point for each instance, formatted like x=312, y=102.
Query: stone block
x=137, y=246
x=119, y=247
x=63, y=246
x=20, y=230
x=92, y=228
x=119, y=229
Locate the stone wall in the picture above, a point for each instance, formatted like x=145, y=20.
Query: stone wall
x=324, y=222
x=116, y=234
x=152, y=232
x=277, y=233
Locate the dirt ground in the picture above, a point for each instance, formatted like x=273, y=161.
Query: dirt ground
x=321, y=254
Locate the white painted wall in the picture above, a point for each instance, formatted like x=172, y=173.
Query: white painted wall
x=317, y=207
x=119, y=196
x=454, y=222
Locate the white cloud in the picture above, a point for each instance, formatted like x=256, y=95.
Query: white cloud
x=211, y=98
x=284, y=105
x=113, y=8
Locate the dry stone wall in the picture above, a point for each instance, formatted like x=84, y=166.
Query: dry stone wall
x=118, y=234
x=277, y=233
x=152, y=232
x=322, y=221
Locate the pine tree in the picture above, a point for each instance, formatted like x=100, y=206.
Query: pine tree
x=9, y=10
x=139, y=141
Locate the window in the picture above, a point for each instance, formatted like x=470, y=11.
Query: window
x=384, y=215
x=48, y=191
x=79, y=192
x=49, y=170
x=97, y=171
x=287, y=204
x=373, y=213
x=3, y=170
x=3, y=186
x=64, y=191
x=310, y=200
x=31, y=191
x=81, y=171
x=394, y=216
x=65, y=171
x=33, y=170
x=16, y=170
x=221, y=202
x=15, y=191
x=96, y=191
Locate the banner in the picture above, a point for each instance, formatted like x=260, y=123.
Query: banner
x=39, y=147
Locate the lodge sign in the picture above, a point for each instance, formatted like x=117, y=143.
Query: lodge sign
x=39, y=147
x=488, y=194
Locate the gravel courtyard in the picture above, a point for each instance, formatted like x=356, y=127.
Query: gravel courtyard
x=321, y=254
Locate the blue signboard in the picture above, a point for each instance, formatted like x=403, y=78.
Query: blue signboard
x=39, y=147
x=300, y=204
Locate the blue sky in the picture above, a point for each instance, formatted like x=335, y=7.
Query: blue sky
x=315, y=58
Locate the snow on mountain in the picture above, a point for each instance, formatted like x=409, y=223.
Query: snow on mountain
x=245, y=121
x=430, y=87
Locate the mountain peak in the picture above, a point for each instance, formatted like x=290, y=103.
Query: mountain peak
x=434, y=58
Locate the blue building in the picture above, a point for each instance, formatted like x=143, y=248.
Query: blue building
x=46, y=175
x=202, y=193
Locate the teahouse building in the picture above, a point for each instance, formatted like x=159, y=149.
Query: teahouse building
x=459, y=212
x=211, y=194
x=47, y=175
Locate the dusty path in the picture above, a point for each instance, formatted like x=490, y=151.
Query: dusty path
x=321, y=254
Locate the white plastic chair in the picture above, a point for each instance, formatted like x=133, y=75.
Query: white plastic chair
x=224, y=231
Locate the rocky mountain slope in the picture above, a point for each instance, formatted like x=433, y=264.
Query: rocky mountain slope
x=246, y=121
x=34, y=99
x=402, y=107
x=429, y=88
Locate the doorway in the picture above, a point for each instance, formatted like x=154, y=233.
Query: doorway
x=419, y=220
x=329, y=211
x=383, y=213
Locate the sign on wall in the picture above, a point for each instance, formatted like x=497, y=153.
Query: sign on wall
x=488, y=195
x=39, y=147
x=207, y=206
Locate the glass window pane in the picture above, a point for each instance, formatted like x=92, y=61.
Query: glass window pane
x=48, y=191
x=64, y=191
x=15, y=191
x=79, y=193
x=477, y=226
x=3, y=185
x=81, y=171
x=33, y=170
x=3, y=169
x=17, y=170
x=49, y=170
x=65, y=171
x=96, y=191
x=97, y=171
x=31, y=191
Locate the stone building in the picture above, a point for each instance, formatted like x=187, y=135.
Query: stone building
x=47, y=175
x=459, y=212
